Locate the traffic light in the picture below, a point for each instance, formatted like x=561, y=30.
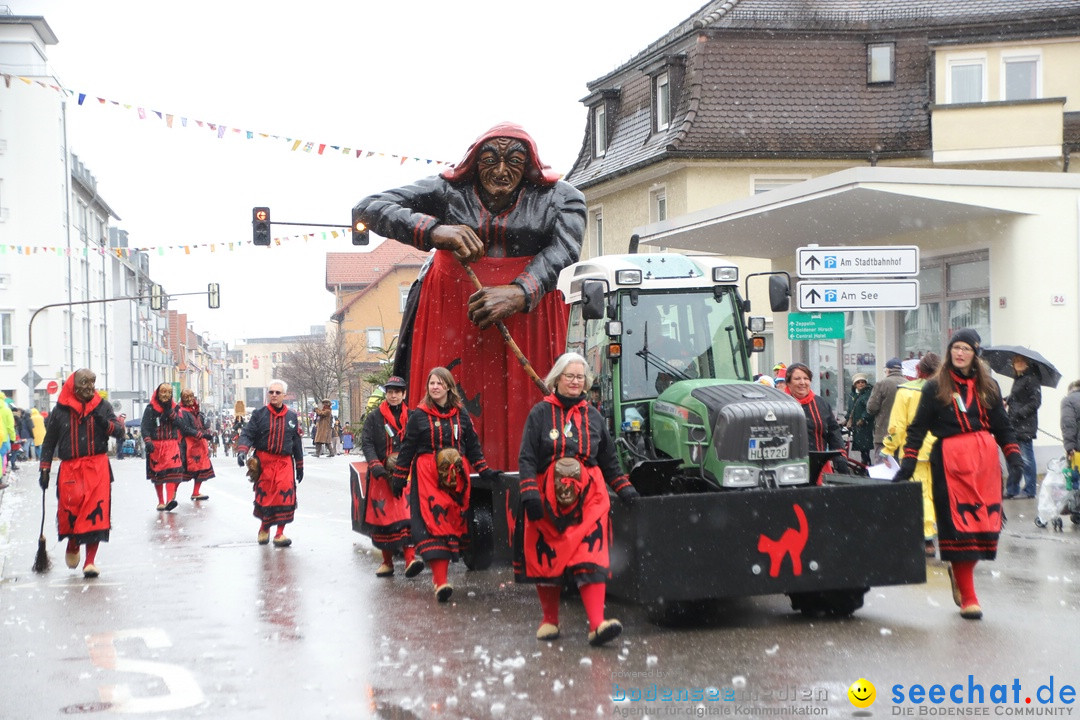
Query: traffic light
x=260, y=225
x=360, y=234
x=156, y=297
x=213, y=295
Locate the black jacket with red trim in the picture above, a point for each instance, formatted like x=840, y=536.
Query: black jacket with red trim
x=273, y=431
x=822, y=429
x=383, y=432
x=566, y=427
x=75, y=429
x=966, y=414
x=432, y=429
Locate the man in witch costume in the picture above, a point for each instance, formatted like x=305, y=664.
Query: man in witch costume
x=78, y=432
x=273, y=436
x=507, y=215
x=386, y=516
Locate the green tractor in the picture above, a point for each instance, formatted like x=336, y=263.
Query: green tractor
x=732, y=505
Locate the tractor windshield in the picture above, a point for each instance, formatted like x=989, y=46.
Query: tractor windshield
x=680, y=336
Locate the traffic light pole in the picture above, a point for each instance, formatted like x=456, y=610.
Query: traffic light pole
x=30, y=383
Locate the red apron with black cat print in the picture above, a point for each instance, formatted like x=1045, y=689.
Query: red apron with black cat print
x=575, y=538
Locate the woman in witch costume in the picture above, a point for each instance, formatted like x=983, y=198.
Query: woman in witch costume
x=962, y=406
x=567, y=462
x=195, y=444
x=439, y=451
x=161, y=441
x=386, y=517
x=77, y=432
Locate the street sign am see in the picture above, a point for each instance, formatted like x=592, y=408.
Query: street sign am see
x=845, y=295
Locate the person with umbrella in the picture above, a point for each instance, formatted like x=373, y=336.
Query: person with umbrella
x=1023, y=405
x=1031, y=371
x=962, y=406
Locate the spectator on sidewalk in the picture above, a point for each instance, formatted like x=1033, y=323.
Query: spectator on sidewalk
x=1023, y=406
x=881, y=401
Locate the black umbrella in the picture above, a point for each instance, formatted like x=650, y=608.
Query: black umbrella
x=133, y=423
x=1000, y=357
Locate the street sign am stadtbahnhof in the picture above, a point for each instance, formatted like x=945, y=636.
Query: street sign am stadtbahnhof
x=866, y=261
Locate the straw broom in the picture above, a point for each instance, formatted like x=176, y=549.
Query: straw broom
x=42, y=564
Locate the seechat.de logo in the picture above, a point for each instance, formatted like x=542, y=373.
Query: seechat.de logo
x=862, y=693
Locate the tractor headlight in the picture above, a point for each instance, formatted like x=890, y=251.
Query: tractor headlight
x=795, y=474
x=740, y=476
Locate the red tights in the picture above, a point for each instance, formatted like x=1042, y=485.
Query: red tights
x=410, y=555
x=161, y=487
x=438, y=571
x=592, y=597
x=91, y=550
x=964, y=572
x=265, y=527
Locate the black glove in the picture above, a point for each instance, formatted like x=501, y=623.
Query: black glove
x=148, y=446
x=378, y=471
x=494, y=477
x=840, y=465
x=397, y=485
x=241, y=458
x=299, y=474
x=43, y=478
x=628, y=495
x=906, y=471
x=534, y=509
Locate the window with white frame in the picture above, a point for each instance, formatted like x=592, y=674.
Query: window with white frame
x=966, y=80
x=879, y=62
x=596, y=220
x=7, y=336
x=599, y=130
x=374, y=339
x=662, y=97
x=403, y=297
x=658, y=205
x=1021, y=76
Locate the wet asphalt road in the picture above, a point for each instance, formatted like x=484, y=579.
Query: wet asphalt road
x=191, y=618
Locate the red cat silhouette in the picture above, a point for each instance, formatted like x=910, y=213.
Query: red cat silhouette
x=791, y=542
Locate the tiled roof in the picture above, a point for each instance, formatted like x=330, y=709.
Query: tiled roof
x=787, y=78
x=359, y=269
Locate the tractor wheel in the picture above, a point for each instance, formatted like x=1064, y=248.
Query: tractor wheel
x=830, y=603
x=481, y=548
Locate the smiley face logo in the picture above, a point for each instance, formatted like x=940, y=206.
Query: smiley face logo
x=862, y=693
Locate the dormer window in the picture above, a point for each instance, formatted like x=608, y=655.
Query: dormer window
x=665, y=78
x=662, y=98
x=603, y=107
x=880, y=63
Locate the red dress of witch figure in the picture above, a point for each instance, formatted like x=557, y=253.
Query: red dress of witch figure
x=507, y=215
x=77, y=432
x=195, y=444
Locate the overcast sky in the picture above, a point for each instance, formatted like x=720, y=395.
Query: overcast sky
x=416, y=79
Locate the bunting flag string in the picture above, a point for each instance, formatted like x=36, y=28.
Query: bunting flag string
x=220, y=130
x=161, y=250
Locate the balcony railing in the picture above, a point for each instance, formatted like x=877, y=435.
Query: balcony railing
x=998, y=131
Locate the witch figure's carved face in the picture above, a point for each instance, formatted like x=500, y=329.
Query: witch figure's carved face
x=449, y=467
x=567, y=474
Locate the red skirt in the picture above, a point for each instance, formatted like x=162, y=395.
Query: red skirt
x=84, y=499
x=497, y=391
x=967, y=496
x=386, y=518
x=164, y=464
x=439, y=520
x=197, y=465
x=576, y=540
x=275, y=490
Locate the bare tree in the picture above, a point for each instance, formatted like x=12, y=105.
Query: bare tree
x=320, y=367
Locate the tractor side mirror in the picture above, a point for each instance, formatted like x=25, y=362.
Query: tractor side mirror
x=592, y=299
x=779, y=293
